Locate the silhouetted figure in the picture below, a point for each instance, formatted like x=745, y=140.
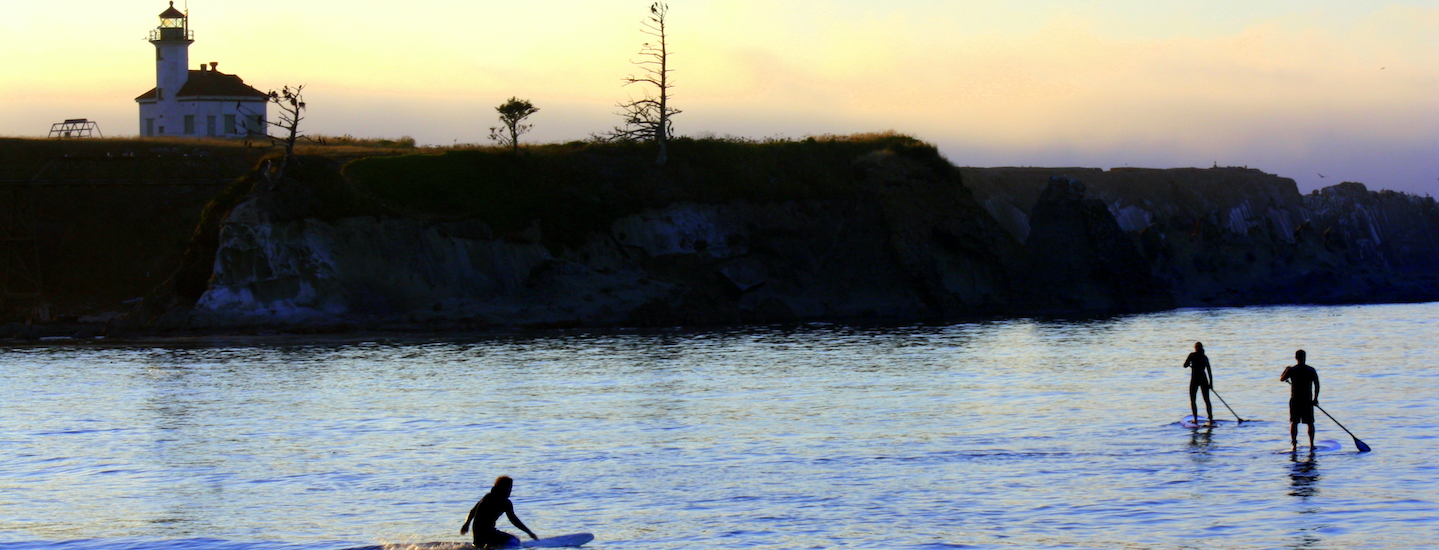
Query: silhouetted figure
x=1200, y=378
x=1302, y=378
x=487, y=511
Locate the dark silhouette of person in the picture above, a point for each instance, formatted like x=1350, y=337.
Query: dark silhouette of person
x=1200, y=378
x=1302, y=378
x=488, y=510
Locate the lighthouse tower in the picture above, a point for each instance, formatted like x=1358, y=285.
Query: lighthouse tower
x=195, y=103
x=172, y=41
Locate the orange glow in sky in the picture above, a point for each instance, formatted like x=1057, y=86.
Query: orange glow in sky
x=1344, y=88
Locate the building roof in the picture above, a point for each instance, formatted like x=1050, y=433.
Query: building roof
x=171, y=13
x=208, y=84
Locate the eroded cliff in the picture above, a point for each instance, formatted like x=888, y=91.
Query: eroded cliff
x=875, y=228
x=1235, y=236
x=896, y=236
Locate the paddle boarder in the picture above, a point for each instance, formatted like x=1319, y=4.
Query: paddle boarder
x=1302, y=378
x=1200, y=378
x=488, y=510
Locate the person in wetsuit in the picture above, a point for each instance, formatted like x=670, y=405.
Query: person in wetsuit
x=1301, y=401
x=488, y=510
x=1200, y=378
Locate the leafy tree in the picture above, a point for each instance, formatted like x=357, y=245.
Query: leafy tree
x=649, y=118
x=511, y=113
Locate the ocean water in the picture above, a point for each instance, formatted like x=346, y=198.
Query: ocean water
x=1006, y=434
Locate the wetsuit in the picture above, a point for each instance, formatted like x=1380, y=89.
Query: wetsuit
x=1199, y=380
x=486, y=512
x=1301, y=399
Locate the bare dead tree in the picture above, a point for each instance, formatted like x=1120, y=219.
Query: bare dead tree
x=511, y=113
x=649, y=118
x=291, y=103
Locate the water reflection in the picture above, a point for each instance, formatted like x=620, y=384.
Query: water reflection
x=1306, y=540
x=1303, y=476
x=1201, y=439
x=1039, y=434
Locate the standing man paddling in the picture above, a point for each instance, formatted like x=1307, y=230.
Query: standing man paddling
x=487, y=511
x=1301, y=401
x=1200, y=378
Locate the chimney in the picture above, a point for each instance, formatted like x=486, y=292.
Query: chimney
x=202, y=67
x=214, y=64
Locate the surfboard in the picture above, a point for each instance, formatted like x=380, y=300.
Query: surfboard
x=562, y=541
x=1327, y=445
x=1194, y=422
x=1320, y=446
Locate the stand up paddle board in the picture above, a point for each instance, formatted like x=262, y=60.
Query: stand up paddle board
x=1195, y=422
x=562, y=541
x=1320, y=446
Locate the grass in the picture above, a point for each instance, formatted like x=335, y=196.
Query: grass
x=569, y=188
x=577, y=187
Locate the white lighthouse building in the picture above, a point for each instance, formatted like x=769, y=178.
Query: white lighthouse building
x=200, y=102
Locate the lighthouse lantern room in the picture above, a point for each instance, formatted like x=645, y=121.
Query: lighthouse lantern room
x=200, y=102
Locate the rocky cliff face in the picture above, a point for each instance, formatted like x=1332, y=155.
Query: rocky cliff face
x=908, y=239
x=1229, y=236
x=1082, y=260
x=910, y=242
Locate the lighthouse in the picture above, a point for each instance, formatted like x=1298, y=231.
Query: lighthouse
x=201, y=102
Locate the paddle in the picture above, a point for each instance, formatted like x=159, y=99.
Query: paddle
x=1226, y=403
x=1357, y=443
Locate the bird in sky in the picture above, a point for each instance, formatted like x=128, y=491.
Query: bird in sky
x=1321, y=176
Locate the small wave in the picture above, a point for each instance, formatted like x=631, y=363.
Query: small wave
x=179, y=544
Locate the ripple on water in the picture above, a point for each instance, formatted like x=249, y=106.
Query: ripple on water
x=1007, y=434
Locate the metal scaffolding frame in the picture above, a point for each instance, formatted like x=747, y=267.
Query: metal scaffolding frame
x=75, y=128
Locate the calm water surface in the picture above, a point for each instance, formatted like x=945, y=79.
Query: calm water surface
x=1009, y=434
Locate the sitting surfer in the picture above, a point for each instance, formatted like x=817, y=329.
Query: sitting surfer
x=488, y=510
x=1200, y=378
x=1301, y=401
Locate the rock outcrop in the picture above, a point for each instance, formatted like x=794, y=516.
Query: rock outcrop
x=1233, y=236
x=906, y=242
x=904, y=236
x=1082, y=260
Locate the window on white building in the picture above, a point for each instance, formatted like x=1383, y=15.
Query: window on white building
x=230, y=125
x=256, y=124
x=189, y=124
x=149, y=126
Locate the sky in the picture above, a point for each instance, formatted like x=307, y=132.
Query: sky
x=1344, y=89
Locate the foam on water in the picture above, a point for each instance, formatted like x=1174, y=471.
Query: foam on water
x=1003, y=434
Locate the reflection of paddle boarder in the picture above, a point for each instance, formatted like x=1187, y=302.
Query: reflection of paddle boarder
x=1301, y=400
x=1303, y=477
x=487, y=511
x=1200, y=378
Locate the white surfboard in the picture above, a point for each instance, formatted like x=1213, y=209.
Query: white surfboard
x=1320, y=446
x=1194, y=422
x=1327, y=445
x=562, y=541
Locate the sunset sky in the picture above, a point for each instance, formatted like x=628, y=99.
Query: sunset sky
x=1348, y=89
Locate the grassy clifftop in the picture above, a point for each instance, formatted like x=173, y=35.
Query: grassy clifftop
x=575, y=187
